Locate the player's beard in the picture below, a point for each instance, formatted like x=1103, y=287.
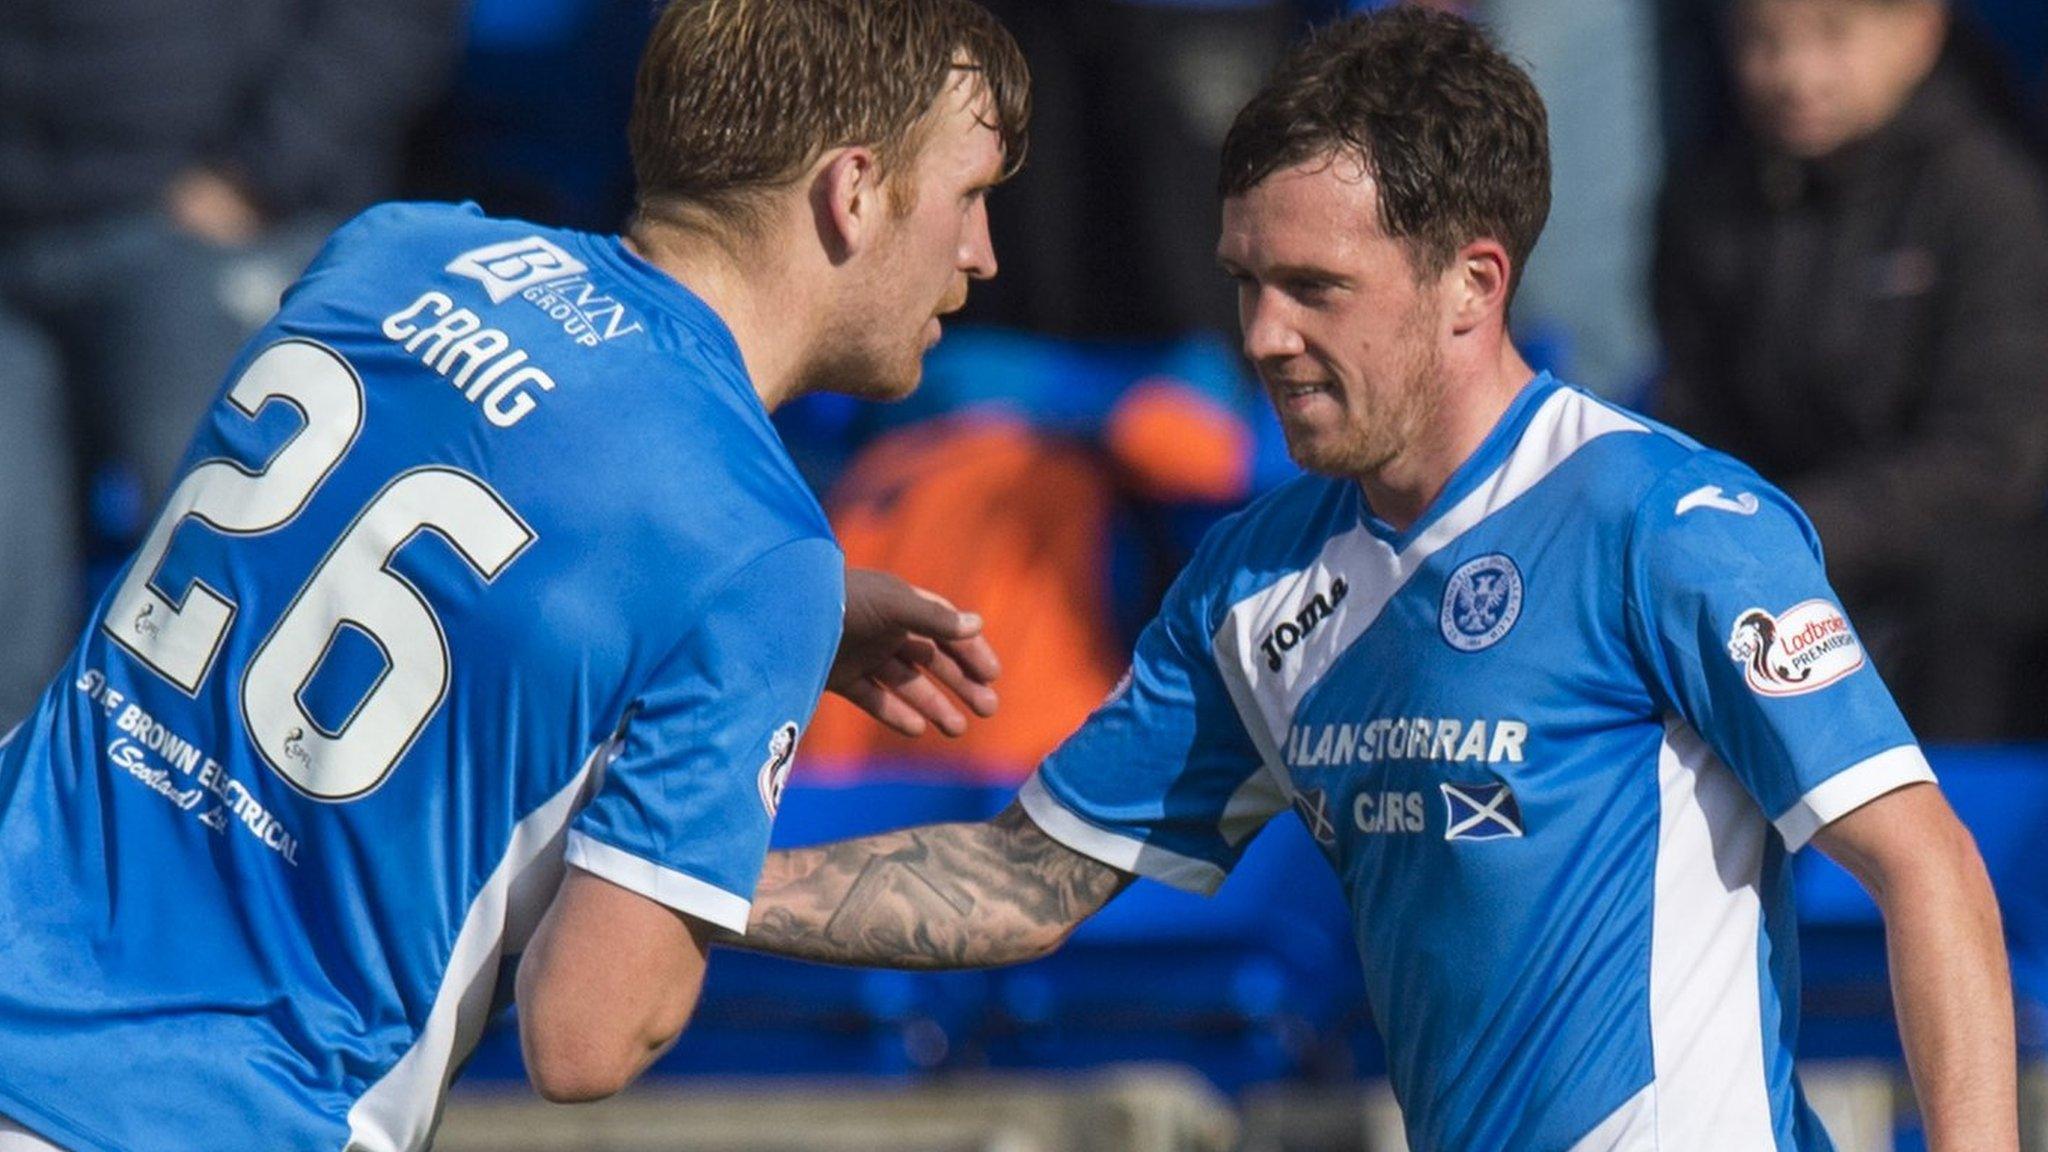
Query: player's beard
x=863, y=361
x=1381, y=424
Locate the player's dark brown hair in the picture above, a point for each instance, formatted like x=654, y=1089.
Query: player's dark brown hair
x=1450, y=129
x=736, y=98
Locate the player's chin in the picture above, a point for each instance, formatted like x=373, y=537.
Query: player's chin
x=1325, y=454
x=891, y=382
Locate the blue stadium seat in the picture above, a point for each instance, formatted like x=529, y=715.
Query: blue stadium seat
x=1242, y=986
x=2019, y=28
x=2001, y=795
x=1260, y=982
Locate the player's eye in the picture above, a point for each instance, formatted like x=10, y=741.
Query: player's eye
x=1310, y=290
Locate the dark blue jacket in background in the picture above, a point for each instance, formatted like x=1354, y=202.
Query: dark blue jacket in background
x=304, y=101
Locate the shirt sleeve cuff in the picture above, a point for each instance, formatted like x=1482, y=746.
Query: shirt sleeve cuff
x=1124, y=853
x=1850, y=789
x=666, y=886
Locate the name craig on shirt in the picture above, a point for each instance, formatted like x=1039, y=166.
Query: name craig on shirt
x=1431, y=738
x=480, y=360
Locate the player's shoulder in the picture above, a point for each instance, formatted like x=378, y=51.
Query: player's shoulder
x=1705, y=508
x=1691, y=479
x=412, y=229
x=624, y=354
x=1622, y=475
x=411, y=215
x=1283, y=527
x=571, y=302
x=395, y=251
x=1277, y=534
x=798, y=566
x=514, y=273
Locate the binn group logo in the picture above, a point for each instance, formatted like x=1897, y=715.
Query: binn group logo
x=544, y=275
x=505, y=270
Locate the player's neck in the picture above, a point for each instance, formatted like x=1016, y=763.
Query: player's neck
x=759, y=301
x=1472, y=404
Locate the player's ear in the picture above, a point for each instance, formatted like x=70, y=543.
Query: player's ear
x=847, y=201
x=1481, y=273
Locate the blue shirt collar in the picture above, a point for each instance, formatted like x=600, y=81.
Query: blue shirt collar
x=1483, y=462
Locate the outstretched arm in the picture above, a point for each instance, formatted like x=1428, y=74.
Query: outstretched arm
x=939, y=896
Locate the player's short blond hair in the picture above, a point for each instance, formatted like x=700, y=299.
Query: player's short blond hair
x=736, y=98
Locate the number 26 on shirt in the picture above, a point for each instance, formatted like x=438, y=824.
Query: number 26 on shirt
x=178, y=631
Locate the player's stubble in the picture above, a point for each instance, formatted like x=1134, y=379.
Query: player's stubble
x=1377, y=423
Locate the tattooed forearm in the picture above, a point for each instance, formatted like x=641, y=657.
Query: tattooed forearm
x=941, y=896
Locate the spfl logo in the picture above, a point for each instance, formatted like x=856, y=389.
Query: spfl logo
x=295, y=747
x=775, y=769
x=1482, y=601
x=1802, y=649
x=507, y=269
x=1480, y=812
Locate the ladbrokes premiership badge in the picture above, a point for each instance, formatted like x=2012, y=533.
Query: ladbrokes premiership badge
x=1803, y=649
x=775, y=770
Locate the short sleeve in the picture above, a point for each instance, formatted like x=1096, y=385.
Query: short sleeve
x=1731, y=613
x=1163, y=779
x=683, y=814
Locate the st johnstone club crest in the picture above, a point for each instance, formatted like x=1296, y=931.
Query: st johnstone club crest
x=1482, y=601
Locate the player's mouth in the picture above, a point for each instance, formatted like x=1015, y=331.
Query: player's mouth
x=1291, y=396
x=953, y=302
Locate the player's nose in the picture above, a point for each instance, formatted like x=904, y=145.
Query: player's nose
x=977, y=255
x=1269, y=333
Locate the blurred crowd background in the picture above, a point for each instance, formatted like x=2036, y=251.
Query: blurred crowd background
x=1811, y=232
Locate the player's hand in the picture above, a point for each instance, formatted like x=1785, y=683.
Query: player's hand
x=910, y=659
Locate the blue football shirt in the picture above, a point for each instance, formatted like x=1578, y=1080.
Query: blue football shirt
x=488, y=557
x=1544, y=736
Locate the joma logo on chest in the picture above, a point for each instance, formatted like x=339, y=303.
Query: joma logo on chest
x=1283, y=638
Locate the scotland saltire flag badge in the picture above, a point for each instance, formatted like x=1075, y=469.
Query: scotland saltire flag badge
x=1480, y=812
x=1313, y=806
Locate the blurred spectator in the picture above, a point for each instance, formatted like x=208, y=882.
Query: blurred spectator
x=1595, y=63
x=1999, y=46
x=989, y=512
x=1580, y=311
x=1854, y=299
x=1039, y=481
x=1110, y=229
x=526, y=129
x=166, y=166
